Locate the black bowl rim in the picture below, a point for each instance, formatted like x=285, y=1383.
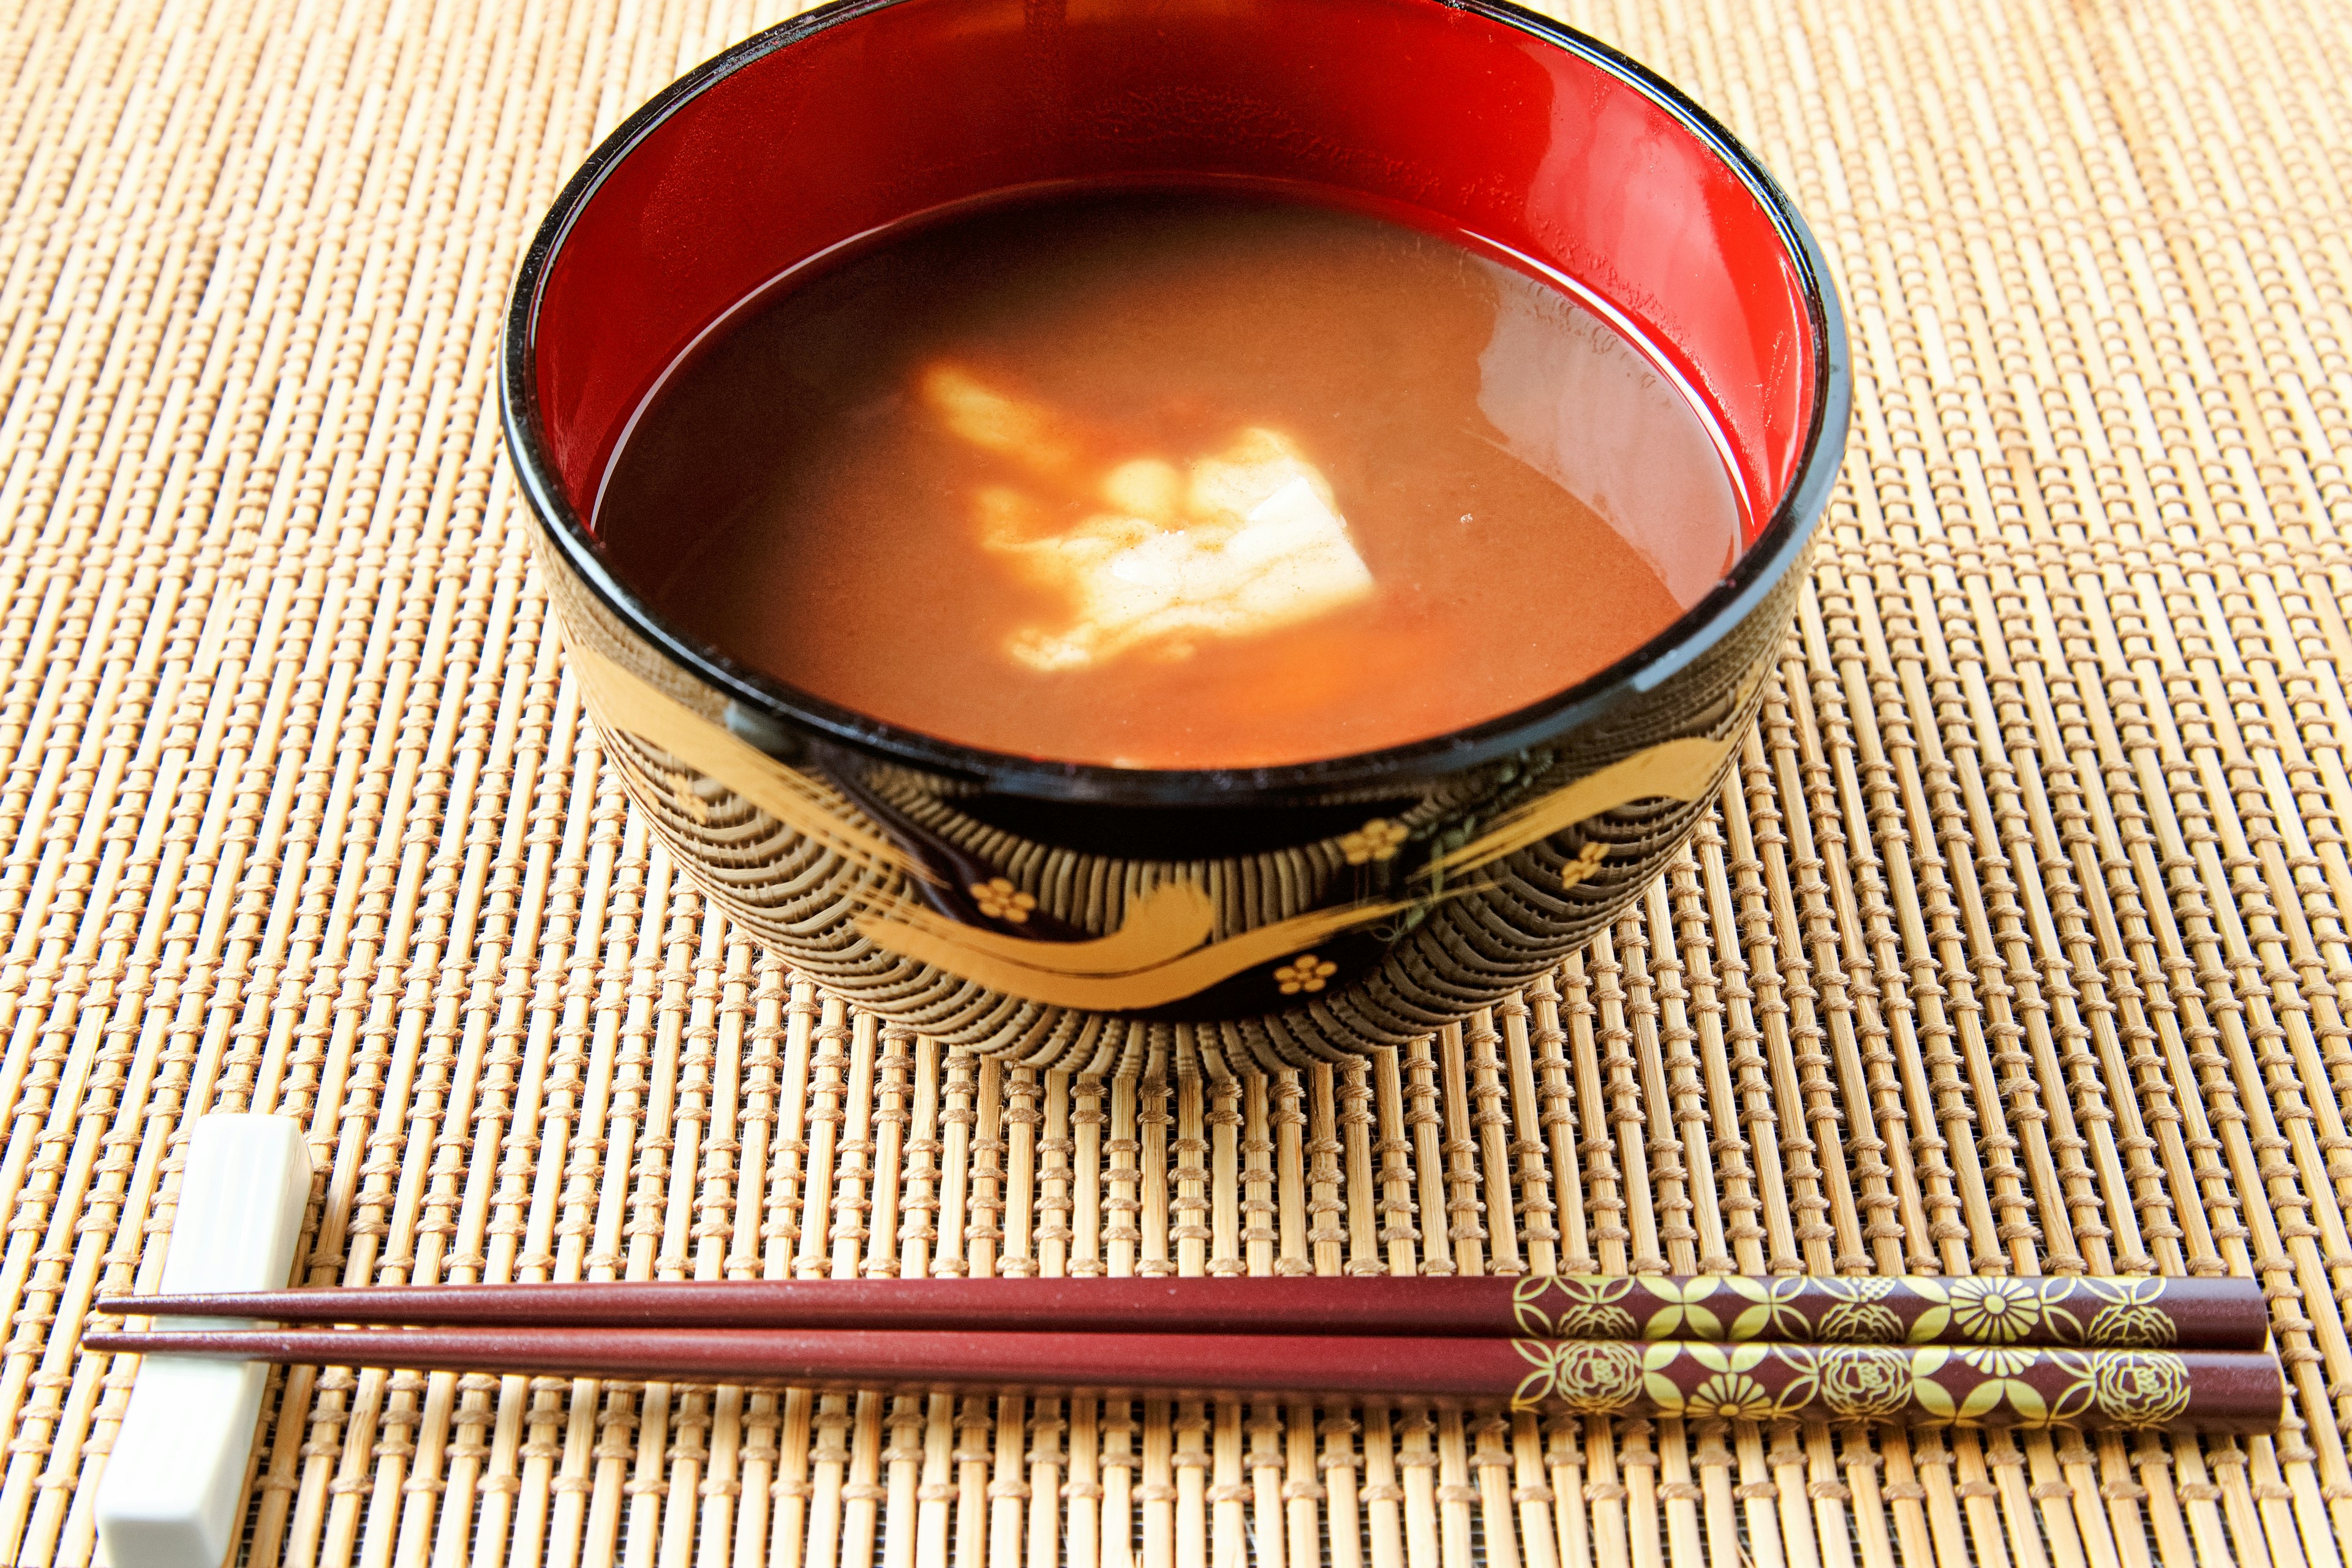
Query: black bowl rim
x=772, y=705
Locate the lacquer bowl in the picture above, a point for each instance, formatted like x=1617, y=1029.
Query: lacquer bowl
x=1106, y=919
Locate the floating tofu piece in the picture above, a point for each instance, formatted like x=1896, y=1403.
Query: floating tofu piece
x=172, y=1493
x=1148, y=487
x=1249, y=542
x=1026, y=432
x=1246, y=542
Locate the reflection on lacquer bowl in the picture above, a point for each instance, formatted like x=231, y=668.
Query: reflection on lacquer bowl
x=1252, y=755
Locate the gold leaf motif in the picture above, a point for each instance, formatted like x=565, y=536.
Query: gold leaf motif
x=1928, y=1393
x=1929, y=1326
x=1534, y=1387
x=1989, y=1395
x=1779, y=1288
x=2074, y=1397
x=1771, y=1315
x=1729, y=1358
x=1682, y=1316
x=1526, y=1304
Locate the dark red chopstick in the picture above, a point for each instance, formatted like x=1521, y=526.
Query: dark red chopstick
x=2197, y=1391
x=2205, y=1314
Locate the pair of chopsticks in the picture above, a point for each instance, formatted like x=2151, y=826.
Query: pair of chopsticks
x=2137, y=1352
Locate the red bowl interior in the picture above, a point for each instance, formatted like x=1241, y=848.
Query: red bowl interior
x=893, y=110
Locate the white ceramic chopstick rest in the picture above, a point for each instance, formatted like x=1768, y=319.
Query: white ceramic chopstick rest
x=172, y=1493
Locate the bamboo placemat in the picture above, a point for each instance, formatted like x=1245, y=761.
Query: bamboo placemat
x=2018, y=942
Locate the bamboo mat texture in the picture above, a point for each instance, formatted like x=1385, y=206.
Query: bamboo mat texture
x=2017, y=942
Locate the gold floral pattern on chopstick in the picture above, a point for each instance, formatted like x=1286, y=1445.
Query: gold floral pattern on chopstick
x=1919, y=1385
x=1912, y=1309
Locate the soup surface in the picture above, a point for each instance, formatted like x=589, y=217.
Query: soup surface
x=1170, y=480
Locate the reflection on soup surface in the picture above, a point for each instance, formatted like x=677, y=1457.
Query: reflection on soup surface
x=1170, y=480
